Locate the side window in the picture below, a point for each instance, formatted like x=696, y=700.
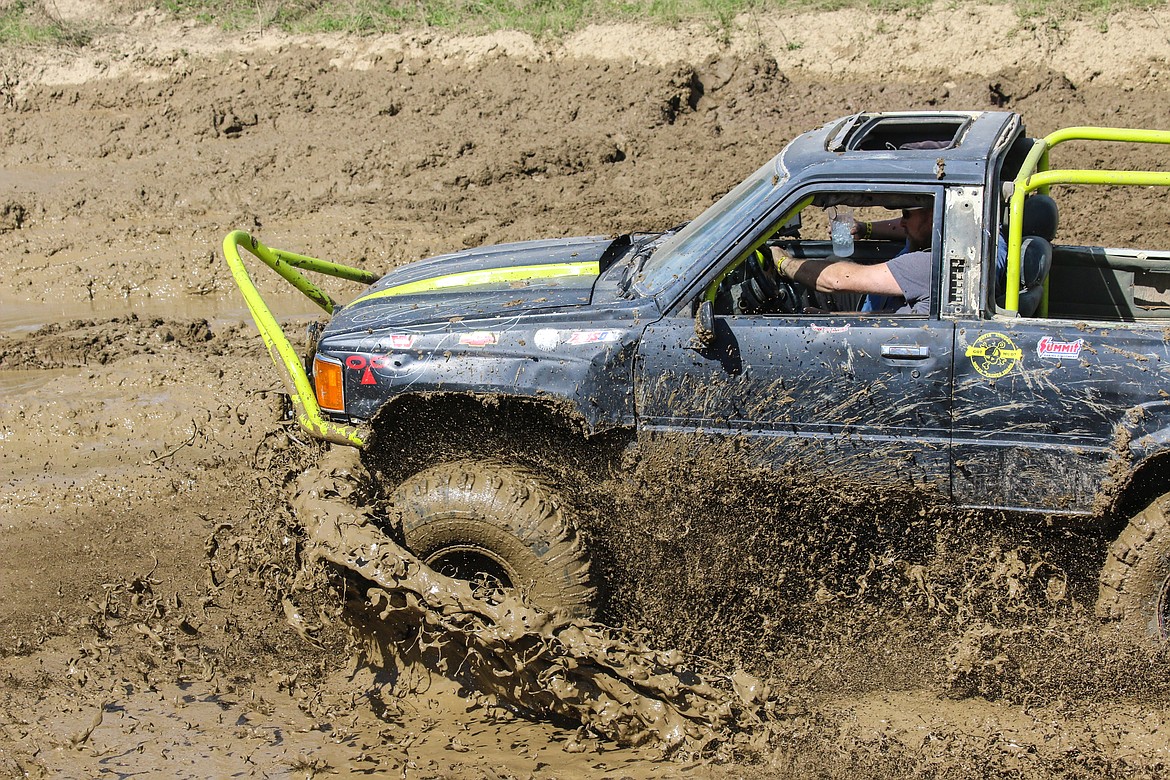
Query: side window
x=837, y=252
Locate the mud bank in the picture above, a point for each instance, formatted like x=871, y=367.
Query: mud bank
x=155, y=617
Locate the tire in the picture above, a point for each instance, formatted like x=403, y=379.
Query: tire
x=1135, y=581
x=481, y=520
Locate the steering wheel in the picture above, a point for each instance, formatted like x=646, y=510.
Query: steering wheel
x=764, y=290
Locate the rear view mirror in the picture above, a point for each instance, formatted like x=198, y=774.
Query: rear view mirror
x=790, y=229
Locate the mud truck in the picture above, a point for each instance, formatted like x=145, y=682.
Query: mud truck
x=488, y=387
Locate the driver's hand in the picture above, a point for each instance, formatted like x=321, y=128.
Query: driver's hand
x=779, y=256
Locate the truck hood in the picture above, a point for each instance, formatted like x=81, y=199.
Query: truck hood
x=507, y=279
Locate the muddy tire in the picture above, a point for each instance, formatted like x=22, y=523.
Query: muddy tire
x=484, y=521
x=1135, y=581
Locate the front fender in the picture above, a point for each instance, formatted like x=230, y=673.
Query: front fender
x=587, y=370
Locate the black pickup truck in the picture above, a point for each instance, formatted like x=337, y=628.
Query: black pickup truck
x=1033, y=380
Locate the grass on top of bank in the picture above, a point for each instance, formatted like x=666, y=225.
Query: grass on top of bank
x=32, y=22
x=551, y=18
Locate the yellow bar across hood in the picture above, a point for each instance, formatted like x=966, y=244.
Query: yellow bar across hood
x=517, y=273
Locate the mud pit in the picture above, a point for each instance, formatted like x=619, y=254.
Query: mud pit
x=157, y=613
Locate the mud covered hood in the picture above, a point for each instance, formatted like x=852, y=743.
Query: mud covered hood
x=502, y=280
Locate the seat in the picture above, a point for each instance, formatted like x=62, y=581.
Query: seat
x=1041, y=219
x=1035, y=262
x=1041, y=216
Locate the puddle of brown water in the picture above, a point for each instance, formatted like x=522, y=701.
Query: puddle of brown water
x=14, y=383
x=36, y=179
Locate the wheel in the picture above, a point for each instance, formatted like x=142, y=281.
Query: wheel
x=1135, y=581
x=499, y=528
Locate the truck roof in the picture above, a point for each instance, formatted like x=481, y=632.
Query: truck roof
x=931, y=146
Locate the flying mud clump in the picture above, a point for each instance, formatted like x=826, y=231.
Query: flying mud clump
x=545, y=665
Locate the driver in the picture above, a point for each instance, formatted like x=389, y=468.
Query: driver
x=906, y=276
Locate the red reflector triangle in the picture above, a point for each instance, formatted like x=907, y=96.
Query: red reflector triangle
x=368, y=378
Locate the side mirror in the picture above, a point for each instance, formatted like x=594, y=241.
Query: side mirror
x=704, y=326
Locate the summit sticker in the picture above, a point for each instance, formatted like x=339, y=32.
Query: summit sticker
x=1049, y=347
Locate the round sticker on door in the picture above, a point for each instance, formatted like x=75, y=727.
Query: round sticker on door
x=993, y=355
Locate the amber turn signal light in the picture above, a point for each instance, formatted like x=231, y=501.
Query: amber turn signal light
x=327, y=378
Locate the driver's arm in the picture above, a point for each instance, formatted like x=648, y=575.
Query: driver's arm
x=882, y=230
x=829, y=276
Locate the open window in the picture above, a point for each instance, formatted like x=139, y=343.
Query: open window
x=752, y=285
x=906, y=132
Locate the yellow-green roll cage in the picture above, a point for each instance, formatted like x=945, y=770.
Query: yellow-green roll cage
x=305, y=407
x=1035, y=176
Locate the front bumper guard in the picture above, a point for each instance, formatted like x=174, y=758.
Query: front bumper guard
x=306, y=410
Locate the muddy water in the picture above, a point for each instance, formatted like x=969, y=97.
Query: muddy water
x=986, y=644
x=19, y=316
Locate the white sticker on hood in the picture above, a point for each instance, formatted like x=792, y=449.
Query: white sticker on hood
x=478, y=338
x=547, y=339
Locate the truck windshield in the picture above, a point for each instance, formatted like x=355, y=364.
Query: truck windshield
x=706, y=235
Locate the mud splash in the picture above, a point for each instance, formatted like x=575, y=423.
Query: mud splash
x=611, y=682
x=997, y=638
x=900, y=650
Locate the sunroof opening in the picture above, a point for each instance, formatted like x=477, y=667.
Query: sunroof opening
x=889, y=133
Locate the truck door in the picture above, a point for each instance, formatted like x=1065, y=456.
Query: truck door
x=846, y=400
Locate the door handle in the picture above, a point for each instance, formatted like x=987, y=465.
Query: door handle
x=905, y=351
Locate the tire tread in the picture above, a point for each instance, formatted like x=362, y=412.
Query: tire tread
x=1136, y=567
x=514, y=500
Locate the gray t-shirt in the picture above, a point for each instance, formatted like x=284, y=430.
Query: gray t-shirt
x=912, y=272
